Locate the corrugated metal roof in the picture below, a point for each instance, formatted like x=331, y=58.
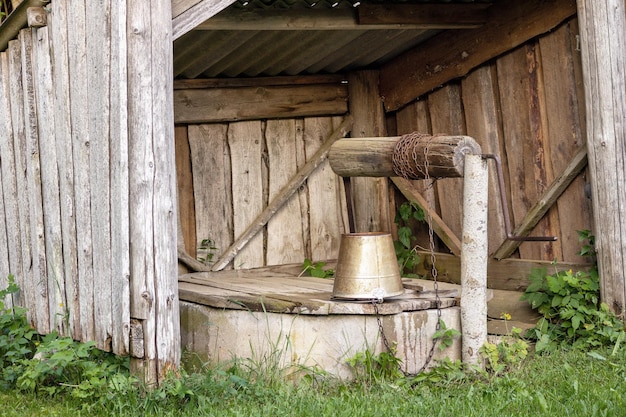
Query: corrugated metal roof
x=224, y=50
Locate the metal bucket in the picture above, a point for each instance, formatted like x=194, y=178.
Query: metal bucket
x=367, y=268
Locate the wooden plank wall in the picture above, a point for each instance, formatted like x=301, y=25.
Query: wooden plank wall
x=87, y=202
x=237, y=167
x=526, y=106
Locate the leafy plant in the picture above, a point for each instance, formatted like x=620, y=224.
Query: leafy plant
x=406, y=252
x=573, y=315
x=369, y=367
x=316, y=269
x=445, y=336
x=207, y=246
x=506, y=355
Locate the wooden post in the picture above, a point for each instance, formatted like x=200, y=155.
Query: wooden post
x=603, y=42
x=369, y=195
x=474, y=254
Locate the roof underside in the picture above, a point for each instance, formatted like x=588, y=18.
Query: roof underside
x=293, y=37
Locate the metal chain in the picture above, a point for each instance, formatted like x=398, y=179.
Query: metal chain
x=431, y=239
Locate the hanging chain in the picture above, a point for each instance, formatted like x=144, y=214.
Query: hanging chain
x=402, y=156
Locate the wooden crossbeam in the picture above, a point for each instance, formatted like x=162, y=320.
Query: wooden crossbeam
x=423, y=17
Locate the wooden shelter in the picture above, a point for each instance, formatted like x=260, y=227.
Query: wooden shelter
x=133, y=131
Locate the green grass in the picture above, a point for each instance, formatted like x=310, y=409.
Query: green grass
x=560, y=384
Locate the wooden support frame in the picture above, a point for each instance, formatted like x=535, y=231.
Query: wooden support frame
x=187, y=14
x=454, y=54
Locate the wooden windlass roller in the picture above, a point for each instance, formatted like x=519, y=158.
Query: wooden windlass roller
x=412, y=156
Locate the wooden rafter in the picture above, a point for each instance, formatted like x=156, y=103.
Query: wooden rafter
x=187, y=14
x=344, y=19
x=466, y=15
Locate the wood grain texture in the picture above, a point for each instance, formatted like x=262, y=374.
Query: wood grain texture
x=370, y=195
x=245, y=143
x=212, y=198
x=254, y=103
x=62, y=129
x=603, y=32
x=190, y=13
x=184, y=180
x=454, y=54
x=285, y=241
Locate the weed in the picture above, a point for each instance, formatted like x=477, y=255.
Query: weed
x=206, y=246
x=573, y=315
x=406, y=252
x=445, y=336
x=506, y=355
x=369, y=367
x=316, y=269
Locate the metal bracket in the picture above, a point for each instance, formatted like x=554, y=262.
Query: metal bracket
x=505, y=207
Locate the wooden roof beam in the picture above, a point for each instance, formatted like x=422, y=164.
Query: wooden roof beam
x=451, y=55
x=417, y=16
x=187, y=14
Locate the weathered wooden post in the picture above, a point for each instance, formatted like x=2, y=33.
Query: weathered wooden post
x=603, y=41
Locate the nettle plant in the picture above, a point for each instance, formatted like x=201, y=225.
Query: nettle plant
x=406, y=252
x=569, y=301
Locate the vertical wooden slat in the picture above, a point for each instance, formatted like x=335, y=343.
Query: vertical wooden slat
x=81, y=137
x=244, y=140
x=167, y=313
x=62, y=133
x=525, y=144
x=33, y=184
x=303, y=191
x=285, y=242
x=44, y=95
x=9, y=184
x=564, y=135
x=324, y=194
x=25, y=277
x=371, y=206
x=4, y=249
x=446, y=116
x=184, y=179
x=603, y=41
x=480, y=103
x=119, y=171
x=98, y=42
x=210, y=164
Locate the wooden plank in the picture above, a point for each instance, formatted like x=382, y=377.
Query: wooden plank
x=9, y=180
x=259, y=222
x=63, y=129
x=564, y=134
x=455, y=15
x=190, y=13
x=285, y=241
x=203, y=83
x=120, y=194
x=454, y=54
x=25, y=276
x=184, y=177
x=439, y=226
x=7, y=302
x=506, y=274
x=523, y=116
x=602, y=35
x=480, y=105
x=446, y=116
x=325, y=224
x=212, y=198
x=33, y=186
x=98, y=42
x=245, y=140
x=370, y=195
x=254, y=103
x=80, y=148
x=42, y=73
x=547, y=200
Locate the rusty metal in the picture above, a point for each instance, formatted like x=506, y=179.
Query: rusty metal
x=505, y=207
